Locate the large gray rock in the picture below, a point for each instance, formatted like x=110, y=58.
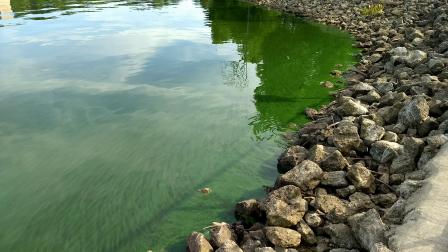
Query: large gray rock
x=361, y=177
x=293, y=156
x=351, y=107
x=334, y=179
x=414, y=112
x=285, y=206
x=384, y=151
x=220, y=234
x=229, y=246
x=370, y=131
x=368, y=228
x=306, y=175
x=198, y=243
x=341, y=236
x=283, y=237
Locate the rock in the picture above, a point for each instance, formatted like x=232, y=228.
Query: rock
x=361, y=88
x=335, y=209
x=416, y=175
x=435, y=66
x=229, y=246
x=265, y=249
x=380, y=247
x=328, y=84
x=384, y=151
x=334, y=179
x=396, y=179
x=319, y=152
x=361, y=178
x=405, y=162
x=351, y=107
x=414, y=112
x=437, y=140
x=285, y=206
x=346, y=138
x=336, y=73
x=390, y=136
x=306, y=233
x=360, y=202
x=368, y=228
x=390, y=113
x=415, y=58
x=346, y=191
x=283, y=237
x=343, y=250
x=251, y=245
x=375, y=57
x=334, y=161
x=341, y=236
x=198, y=243
x=370, y=97
x=384, y=200
x=408, y=187
x=313, y=219
x=306, y=175
x=396, y=212
x=220, y=234
x=427, y=126
x=371, y=132
x=293, y=156
x=248, y=211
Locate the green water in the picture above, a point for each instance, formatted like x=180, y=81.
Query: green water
x=114, y=113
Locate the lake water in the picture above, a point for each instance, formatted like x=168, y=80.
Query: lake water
x=114, y=113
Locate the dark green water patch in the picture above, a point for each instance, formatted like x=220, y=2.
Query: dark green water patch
x=114, y=113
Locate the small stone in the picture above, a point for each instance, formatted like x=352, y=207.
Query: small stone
x=390, y=113
x=306, y=175
x=361, y=88
x=371, y=97
x=361, y=177
x=341, y=236
x=390, y=136
x=415, y=58
x=368, y=228
x=396, y=179
x=198, y=243
x=285, y=206
x=306, y=233
x=293, y=156
x=336, y=73
x=375, y=57
x=384, y=200
x=283, y=237
x=328, y=84
x=435, y=66
x=384, y=151
x=313, y=219
x=334, y=179
x=334, y=162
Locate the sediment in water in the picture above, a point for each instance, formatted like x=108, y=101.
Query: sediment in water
x=350, y=170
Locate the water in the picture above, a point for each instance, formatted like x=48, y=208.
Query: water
x=114, y=113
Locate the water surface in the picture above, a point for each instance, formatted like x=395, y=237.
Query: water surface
x=114, y=113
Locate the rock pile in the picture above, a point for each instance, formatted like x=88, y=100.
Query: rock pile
x=346, y=178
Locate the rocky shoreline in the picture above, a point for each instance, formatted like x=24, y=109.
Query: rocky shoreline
x=347, y=175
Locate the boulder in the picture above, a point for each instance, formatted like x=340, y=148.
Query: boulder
x=368, y=228
x=384, y=151
x=283, y=237
x=229, y=246
x=334, y=179
x=285, y=206
x=361, y=178
x=370, y=131
x=414, y=112
x=220, y=234
x=334, y=161
x=198, y=243
x=351, y=107
x=306, y=233
x=335, y=209
x=293, y=156
x=341, y=236
x=306, y=175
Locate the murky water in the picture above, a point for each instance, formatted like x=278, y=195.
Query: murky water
x=114, y=113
